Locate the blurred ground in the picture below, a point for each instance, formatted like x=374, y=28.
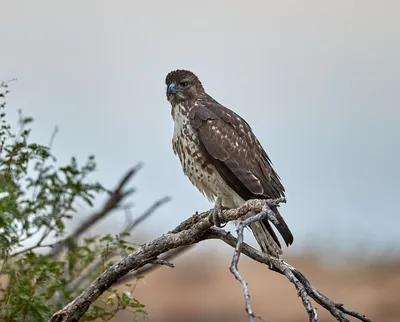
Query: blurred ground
x=201, y=288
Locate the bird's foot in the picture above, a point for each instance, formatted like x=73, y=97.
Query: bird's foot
x=217, y=214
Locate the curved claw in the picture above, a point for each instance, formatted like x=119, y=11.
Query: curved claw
x=217, y=214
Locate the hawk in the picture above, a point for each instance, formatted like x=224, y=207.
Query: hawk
x=222, y=157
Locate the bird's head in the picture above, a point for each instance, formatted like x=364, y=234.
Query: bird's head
x=182, y=85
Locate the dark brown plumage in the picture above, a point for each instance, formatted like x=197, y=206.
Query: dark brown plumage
x=217, y=140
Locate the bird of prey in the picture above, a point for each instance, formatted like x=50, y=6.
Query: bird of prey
x=222, y=157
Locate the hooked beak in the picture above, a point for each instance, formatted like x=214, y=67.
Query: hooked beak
x=171, y=89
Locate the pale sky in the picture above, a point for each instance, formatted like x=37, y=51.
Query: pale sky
x=318, y=82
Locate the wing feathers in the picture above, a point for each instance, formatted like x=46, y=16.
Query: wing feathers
x=246, y=177
x=239, y=157
x=229, y=139
x=221, y=143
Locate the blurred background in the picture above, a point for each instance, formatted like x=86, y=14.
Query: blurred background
x=318, y=82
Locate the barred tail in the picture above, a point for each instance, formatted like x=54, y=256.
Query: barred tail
x=267, y=238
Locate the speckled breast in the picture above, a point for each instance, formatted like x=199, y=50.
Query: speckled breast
x=186, y=146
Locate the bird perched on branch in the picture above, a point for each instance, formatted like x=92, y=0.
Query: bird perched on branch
x=222, y=157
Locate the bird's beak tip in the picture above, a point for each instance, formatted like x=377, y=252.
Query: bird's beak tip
x=171, y=89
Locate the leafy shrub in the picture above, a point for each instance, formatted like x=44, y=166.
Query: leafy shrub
x=37, y=198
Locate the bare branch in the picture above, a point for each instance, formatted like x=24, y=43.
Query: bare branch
x=188, y=233
x=5, y=83
x=41, y=168
x=359, y=316
x=133, y=224
x=168, y=256
x=128, y=228
x=159, y=261
x=235, y=261
x=112, y=203
x=265, y=212
x=292, y=274
x=37, y=245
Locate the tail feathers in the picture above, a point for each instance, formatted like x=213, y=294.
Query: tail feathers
x=266, y=238
x=281, y=227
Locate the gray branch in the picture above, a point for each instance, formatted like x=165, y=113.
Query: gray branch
x=236, y=255
x=266, y=212
x=191, y=231
x=168, y=256
x=114, y=201
x=132, y=224
x=111, y=204
x=127, y=229
x=302, y=284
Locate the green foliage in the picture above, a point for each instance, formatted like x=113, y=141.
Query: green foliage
x=37, y=197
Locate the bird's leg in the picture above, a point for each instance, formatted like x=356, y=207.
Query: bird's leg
x=217, y=212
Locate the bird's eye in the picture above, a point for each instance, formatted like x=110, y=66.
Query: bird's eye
x=183, y=84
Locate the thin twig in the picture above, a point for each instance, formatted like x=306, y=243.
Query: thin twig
x=112, y=203
x=302, y=292
x=159, y=261
x=236, y=255
x=37, y=245
x=168, y=256
x=41, y=169
x=128, y=228
x=359, y=316
x=5, y=83
x=133, y=224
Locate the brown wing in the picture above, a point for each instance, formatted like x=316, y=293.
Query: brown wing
x=228, y=138
x=238, y=156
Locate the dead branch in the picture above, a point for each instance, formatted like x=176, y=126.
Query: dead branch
x=168, y=256
x=132, y=224
x=235, y=259
x=159, y=261
x=187, y=233
x=129, y=227
x=111, y=204
x=265, y=212
x=296, y=277
x=36, y=246
x=114, y=201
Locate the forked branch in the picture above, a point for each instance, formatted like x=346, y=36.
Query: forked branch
x=194, y=230
x=304, y=287
x=113, y=203
x=266, y=212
